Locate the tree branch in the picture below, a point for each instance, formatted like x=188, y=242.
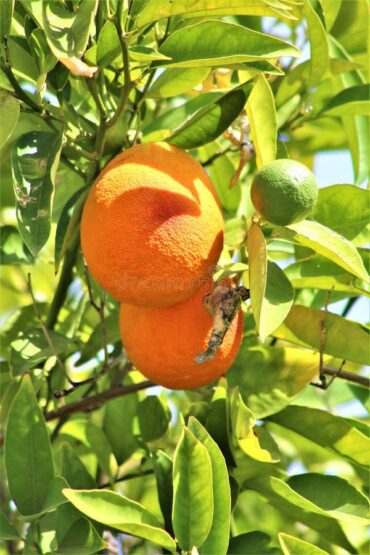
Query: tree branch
x=94, y=402
x=348, y=376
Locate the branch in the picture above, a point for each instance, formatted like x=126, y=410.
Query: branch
x=349, y=376
x=94, y=402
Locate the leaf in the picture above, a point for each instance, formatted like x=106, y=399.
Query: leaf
x=81, y=538
x=270, y=378
x=318, y=272
x=154, y=418
x=6, y=14
x=262, y=121
x=28, y=457
x=328, y=430
x=192, y=510
x=331, y=9
x=68, y=32
x=12, y=249
x=32, y=347
x=9, y=108
x=67, y=226
x=303, y=327
x=251, y=543
x=108, y=46
x=271, y=292
x=140, y=53
x=173, y=82
x=41, y=52
x=145, y=12
x=354, y=101
x=291, y=546
x=299, y=509
x=334, y=495
x=73, y=469
x=163, y=469
x=332, y=210
x=53, y=500
x=96, y=342
x=118, y=426
x=235, y=232
x=121, y=513
x=319, y=59
x=7, y=531
x=102, y=449
x=218, y=537
x=326, y=242
x=212, y=120
x=35, y=158
x=217, y=43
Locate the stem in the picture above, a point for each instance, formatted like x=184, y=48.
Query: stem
x=128, y=477
x=348, y=376
x=94, y=402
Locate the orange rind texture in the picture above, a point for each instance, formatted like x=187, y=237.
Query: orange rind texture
x=152, y=226
x=162, y=343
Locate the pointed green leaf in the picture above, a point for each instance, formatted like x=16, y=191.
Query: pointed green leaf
x=212, y=120
x=141, y=53
x=121, y=513
x=303, y=327
x=292, y=546
x=269, y=379
x=73, y=469
x=334, y=495
x=354, y=101
x=173, y=82
x=102, y=449
x=319, y=60
x=81, y=538
x=257, y=260
x=251, y=543
x=218, y=537
x=331, y=9
x=328, y=430
x=217, y=43
x=163, y=469
x=67, y=225
x=326, y=242
x=28, y=457
x=154, y=418
x=332, y=211
x=192, y=510
x=6, y=14
x=9, y=110
x=108, y=45
x=12, y=248
x=35, y=158
x=262, y=121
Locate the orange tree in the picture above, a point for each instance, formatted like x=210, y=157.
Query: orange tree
x=95, y=458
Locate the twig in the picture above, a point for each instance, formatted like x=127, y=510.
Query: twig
x=128, y=477
x=46, y=331
x=323, y=337
x=217, y=154
x=348, y=376
x=97, y=400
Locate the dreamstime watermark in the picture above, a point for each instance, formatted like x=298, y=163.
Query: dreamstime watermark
x=165, y=284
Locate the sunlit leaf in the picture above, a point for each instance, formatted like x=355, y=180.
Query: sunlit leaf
x=291, y=545
x=154, y=418
x=173, y=82
x=6, y=13
x=9, y=111
x=12, y=248
x=331, y=9
x=251, y=543
x=354, y=101
x=108, y=46
x=319, y=60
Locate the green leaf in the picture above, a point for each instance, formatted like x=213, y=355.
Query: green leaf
x=32, y=347
x=292, y=546
x=218, y=537
x=68, y=32
x=81, y=538
x=35, y=159
x=145, y=12
x=54, y=499
x=68, y=225
x=102, y=449
x=9, y=108
x=326, y=242
x=73, y=469
x=6, y=14
x=121, y=513
x=271, y=292
x=118, y=426
x=212, y=120
x=41, y=52
x=154, y=418
x=331, y=9
x=221, y=171
x=140, y=53
x=331, y=432
x=262, y=121
x=332, y=210
x=319, y=46
x=217, y=43
x=334, y=495
x=28, y=457
x=173, y=82
x=269, y=379
x=7, y=531
x=108, y=46
x=163, y=469
x=192, y=510
x=354, y=101
x=235, y=233
x=303, y=327
x=299, y=509
x=12, y=248
x=252, y=543
x=96, y=342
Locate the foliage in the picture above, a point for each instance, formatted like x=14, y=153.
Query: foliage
x=260, y=462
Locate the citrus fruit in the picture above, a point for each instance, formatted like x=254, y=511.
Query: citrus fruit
x=284, y=192
x=163, y=342
x=152, y=226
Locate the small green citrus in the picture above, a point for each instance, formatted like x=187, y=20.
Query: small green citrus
x=284, y=192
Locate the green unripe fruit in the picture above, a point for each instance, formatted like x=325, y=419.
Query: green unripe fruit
x=284, y=192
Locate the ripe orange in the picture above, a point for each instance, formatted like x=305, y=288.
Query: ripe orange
x=152, y=226
x=163, y=342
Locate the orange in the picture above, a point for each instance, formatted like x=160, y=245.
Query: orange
x=152, y=226
x=163, y=342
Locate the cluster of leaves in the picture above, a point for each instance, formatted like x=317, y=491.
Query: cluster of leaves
x=93, y=462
